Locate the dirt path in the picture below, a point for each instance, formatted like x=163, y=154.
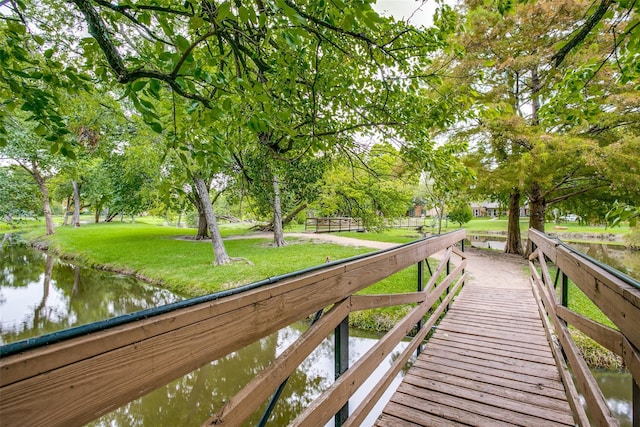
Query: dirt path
x=485, y=267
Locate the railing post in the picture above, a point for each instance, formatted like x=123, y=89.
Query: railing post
x=564, y=291
x=341, y=340
x=448, y=287
x=636, y=403
x=420, y=289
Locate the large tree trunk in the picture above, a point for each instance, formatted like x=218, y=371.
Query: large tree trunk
x=66, y=212
x=96, y=217
x=514, y=241
x=219, y=251
x=537, y=207
x=76, y=204
x=278, y=232
x=203, y=230
x=46, y=204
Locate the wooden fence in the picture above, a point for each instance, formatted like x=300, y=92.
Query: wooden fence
x=337, y=224
x=333, y=224
x=617, y=296
x=76, y=377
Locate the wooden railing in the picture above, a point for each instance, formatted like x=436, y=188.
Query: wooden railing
x=617, y=296
x=76, y=378
x=333, y=224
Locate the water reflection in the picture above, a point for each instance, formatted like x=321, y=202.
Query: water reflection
x=40, y=294
x=616, y=387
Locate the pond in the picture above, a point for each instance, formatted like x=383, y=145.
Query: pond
x=616, y=386
x=40, y=293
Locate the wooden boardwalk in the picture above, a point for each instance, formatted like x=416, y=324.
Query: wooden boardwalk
x=487, y=364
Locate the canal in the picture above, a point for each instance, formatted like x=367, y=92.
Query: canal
x=40, y=294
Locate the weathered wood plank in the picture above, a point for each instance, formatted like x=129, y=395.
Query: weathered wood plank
x=359, y=414
x=365, y=302
x=475, y=408
x=606, y=291
x=546, y=388
x=433, y=414
x=507, y=353
x=404, y=416
x=490, y=344
x=511, y=365
x=587, y=384
x=605, y=336
x=537, y=400
x=240, y=407
x=528, y=405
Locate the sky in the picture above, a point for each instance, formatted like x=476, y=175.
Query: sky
x=419, y=12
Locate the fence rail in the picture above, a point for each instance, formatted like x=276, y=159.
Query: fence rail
x=617, y=296
x=333, y=224
x=75, y=377
x=337, y=224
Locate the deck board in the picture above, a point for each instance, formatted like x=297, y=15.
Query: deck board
x=488, y=363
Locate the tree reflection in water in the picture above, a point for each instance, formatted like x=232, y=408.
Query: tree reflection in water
x=41, y=294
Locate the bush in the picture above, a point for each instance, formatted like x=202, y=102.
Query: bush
x=461, y=214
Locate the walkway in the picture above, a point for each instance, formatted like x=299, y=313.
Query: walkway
x=488, y=363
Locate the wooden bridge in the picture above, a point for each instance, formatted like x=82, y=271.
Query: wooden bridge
x=497, y=354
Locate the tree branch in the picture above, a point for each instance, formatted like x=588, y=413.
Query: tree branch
x=586, y=28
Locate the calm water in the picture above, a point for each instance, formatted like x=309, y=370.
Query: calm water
x=616, y=386
x=40, y=294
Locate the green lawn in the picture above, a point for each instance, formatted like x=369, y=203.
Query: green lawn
x=165, y=255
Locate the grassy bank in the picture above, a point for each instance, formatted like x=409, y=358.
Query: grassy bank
x=169, y=255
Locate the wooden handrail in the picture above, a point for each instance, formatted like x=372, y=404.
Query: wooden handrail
x=617, y=298
x=98, y=372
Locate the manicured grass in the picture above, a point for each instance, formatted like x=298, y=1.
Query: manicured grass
x=158, y=253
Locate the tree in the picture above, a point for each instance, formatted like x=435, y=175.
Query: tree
x=31, y=153
x=378, y=188
x=529, y=129
x=461, y=213
x=16, y=195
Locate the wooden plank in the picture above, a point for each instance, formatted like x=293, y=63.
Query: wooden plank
x=631, y=358
x=474, y=408
x=433, y=414
x=537, y=400
x=491, y=344
x=546, y=388
x=404, y=416
x=509, y=353
x=605, y=336
x=587, y=384
x=605, y=290
x=545, y=244
x=493, y=361
x=489, y=324
x=529, y=405
x=535, y=341
x=366, y=302
x=573, y=397
x=240, y=407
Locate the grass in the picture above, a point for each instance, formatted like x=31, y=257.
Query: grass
x=162, y=256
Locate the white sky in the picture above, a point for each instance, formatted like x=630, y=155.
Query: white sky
x=418, y=12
